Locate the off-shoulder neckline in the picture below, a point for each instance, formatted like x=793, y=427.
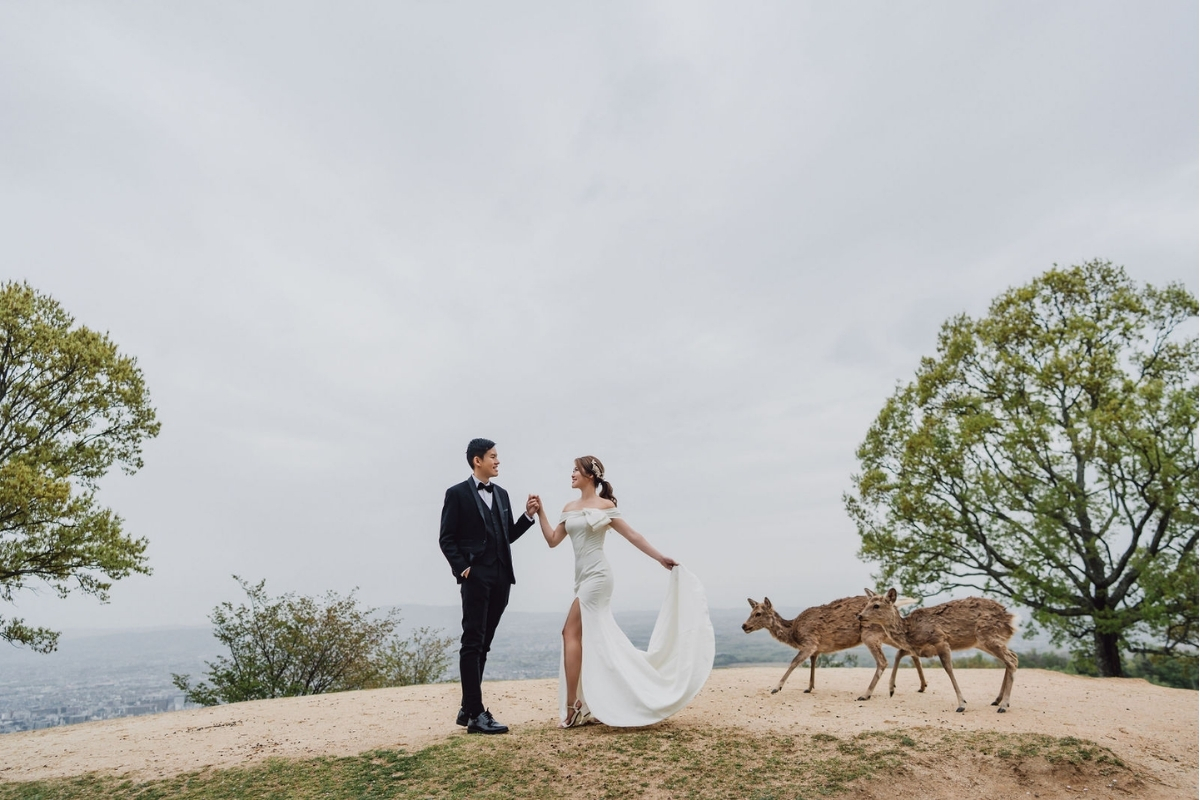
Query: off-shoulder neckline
x=589, y=508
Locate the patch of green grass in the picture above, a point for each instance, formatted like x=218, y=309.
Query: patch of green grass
x=1053, y=749
x=671, y=759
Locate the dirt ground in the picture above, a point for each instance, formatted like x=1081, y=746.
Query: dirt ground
x=1153, y=729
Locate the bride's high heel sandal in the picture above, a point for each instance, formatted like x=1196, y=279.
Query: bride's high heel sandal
x=576, y=716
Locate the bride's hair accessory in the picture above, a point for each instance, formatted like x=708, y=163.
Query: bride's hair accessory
x=592, y=468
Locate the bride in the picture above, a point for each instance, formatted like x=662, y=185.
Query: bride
x=602, y=676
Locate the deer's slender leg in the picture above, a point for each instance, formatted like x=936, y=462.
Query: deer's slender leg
x=1000, y=651
x=1010, y=674
x=948, y=665
x=880, y=665
x=920, y=672
x=805, y=652
x=900, y=654
x=991, y=651
x=812, y=672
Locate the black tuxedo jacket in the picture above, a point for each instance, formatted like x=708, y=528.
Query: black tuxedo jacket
x=467, y=522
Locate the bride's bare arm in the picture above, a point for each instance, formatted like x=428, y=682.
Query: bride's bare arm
x=553, y=536
x=637, y=540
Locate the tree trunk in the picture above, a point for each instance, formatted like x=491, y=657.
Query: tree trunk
x=1108, y=655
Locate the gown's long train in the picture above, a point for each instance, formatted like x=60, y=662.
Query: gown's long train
x=621, y=685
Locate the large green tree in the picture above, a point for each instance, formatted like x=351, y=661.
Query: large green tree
x=71, y=408
x=1047, y=454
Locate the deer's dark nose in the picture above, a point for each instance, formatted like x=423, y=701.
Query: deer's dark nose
x=745, y=628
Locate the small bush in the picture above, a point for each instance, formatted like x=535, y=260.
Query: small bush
x=1179, y=672
x=287, y=646
x=1035, y=660
x=837, y=660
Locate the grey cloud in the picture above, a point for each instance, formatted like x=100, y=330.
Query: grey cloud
x=701, y=242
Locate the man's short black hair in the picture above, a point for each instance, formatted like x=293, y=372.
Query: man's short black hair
x=478, y=447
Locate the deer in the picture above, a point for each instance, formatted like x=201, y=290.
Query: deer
x=938, y=630
x=823, y=629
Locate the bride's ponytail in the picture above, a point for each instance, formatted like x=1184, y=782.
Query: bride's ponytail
x=591, y=466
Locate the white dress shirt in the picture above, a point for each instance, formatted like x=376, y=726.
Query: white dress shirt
x=486, y=496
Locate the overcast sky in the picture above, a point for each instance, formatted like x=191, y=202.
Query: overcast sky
x=702, y=242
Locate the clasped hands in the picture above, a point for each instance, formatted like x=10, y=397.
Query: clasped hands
x=532, y=506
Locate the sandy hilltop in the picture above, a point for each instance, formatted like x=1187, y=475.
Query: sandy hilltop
x=1153, y=729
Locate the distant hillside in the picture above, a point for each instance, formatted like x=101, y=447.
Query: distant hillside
x=103, y=674
x=527, y=643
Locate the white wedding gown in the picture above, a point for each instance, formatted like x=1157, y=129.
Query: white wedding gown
x=619, y=684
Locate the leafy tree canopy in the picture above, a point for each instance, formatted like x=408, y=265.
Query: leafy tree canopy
x=294, y=645
x=1047, y=454
x=71, y=407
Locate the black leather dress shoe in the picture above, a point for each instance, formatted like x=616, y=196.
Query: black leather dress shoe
x=485, y=723
x=462, y=718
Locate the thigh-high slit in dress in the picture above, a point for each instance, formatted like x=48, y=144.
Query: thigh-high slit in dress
x=619, y=684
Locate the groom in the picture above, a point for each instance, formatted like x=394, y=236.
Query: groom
x=477, y=528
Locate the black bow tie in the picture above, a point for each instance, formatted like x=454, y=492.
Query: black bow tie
x=487, y=487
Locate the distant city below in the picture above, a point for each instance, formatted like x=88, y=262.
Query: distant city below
x=105, y=674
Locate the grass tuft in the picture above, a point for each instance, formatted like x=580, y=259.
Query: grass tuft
x=668, y=760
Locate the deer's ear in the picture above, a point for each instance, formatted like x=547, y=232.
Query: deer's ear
x=891, y=595
x=767, y=602
x=869, y=592
x=751, y=602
